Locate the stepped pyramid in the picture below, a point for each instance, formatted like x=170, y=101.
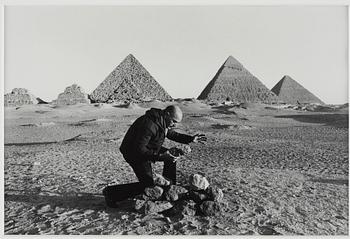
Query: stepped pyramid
x=291, y=92
x=129, y=81
x=235, y=83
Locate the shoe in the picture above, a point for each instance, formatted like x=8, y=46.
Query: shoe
x=109, y=202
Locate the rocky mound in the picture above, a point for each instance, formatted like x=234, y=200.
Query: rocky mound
x=197, y=198
x=72, y=95
x=21, y=96
x=235, y=83
x=129, y=81
x=291, y=92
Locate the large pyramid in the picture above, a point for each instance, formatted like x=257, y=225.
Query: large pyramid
x=235, y=83
x=291, y=92
x=129, y=81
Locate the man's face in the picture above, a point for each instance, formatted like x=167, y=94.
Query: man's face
x=170, y=122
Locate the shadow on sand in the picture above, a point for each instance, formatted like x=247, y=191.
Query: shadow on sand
x=335, y=120
x=81, y=201
x=224, y=109
x=331, y=181
x=75, y=138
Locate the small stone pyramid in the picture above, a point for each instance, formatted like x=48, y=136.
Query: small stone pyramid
x=72, y=95
x=291, y=92
x=21, y=96
x=235, y=83
x=129, y=81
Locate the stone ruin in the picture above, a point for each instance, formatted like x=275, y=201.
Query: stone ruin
x=235, y=83
x=197, y=198
x=21, y=96
x=72, y=95
x=129, y=81
x=291, y=92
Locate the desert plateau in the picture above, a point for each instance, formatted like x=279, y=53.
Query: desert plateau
x=282, y=170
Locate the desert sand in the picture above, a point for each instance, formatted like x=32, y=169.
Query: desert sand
x=282, y=171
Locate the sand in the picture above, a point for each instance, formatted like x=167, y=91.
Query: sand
x=282, y=171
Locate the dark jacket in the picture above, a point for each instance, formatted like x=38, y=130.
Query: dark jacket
x=144, y=139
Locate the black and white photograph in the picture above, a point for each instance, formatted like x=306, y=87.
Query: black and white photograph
x=175, y=118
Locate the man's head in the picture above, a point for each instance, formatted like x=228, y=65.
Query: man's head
x=173, y=115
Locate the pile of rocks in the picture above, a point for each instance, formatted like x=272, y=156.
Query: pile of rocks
x=197, y=198
x=72, y=95
x=20, y=96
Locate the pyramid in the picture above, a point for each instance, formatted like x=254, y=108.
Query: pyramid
x=129, y=81
x=21, y=96
x=291, y=92
x=72, y=95
x=235, y=83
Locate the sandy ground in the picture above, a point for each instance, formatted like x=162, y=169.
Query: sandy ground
x=283, y=171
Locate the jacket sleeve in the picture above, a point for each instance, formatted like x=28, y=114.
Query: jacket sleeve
x=141, y=142
x=180, y=138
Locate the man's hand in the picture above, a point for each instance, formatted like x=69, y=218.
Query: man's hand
x=199, y=138
x=167, y=156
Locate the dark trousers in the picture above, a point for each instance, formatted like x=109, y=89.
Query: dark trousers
x=144, y=173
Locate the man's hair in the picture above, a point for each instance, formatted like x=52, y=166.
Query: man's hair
x=174, y=110
x=171, y=109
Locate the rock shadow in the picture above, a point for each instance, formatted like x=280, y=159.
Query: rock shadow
x=331, y=181
x=335, y=120
x=221, y=126
x=224, y=109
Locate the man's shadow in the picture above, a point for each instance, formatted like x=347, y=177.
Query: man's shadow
x=80, y=200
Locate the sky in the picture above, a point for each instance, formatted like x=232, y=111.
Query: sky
x=48, y=48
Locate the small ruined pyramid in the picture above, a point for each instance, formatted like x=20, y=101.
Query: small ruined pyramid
x=73, y=94
x=235, y=83
x=129, y=81
x=21, y=96
x=291, y=92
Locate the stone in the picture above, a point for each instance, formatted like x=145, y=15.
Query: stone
x=197, y=196
x=176, y=152
x=211, y=208
x=160, y=180
x=72, y=95
x=45, y=209
x=129, y=81
x=175, y=192
x=198, y=182
x=215, y=194
x=139, y=204
x=154, y=193
x=265, y=230
x=186, y=208
x=155, y=207
x=259, y=210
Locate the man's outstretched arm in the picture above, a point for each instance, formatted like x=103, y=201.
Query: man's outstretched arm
x=185, y=138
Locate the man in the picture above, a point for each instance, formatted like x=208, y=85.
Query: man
x=142, y=146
